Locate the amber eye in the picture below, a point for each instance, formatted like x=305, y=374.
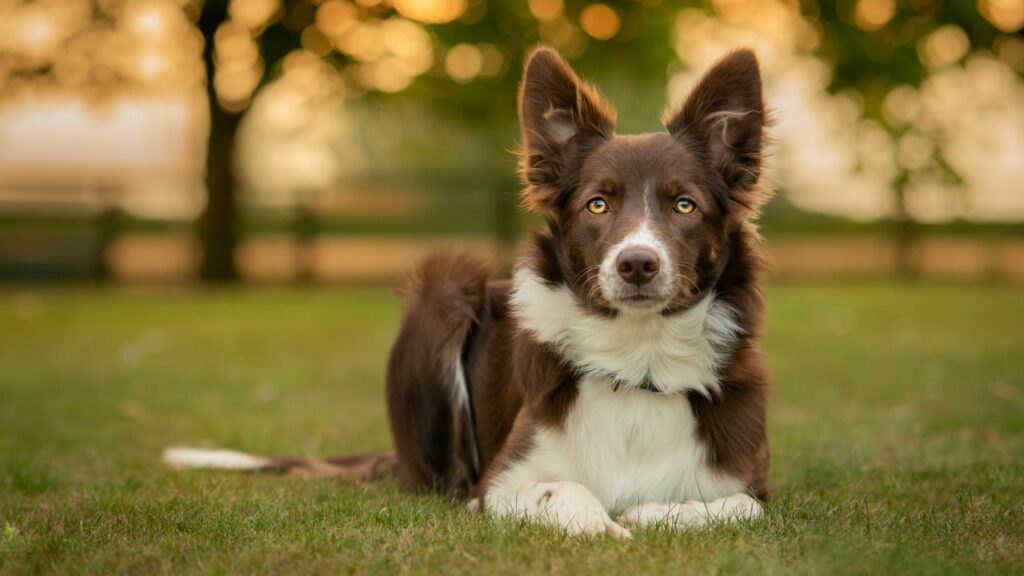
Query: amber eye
x=685, y=206
x=597, y=206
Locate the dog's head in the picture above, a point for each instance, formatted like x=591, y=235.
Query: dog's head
x=640, y=223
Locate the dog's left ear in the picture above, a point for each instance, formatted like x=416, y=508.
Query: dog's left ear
x=562, y=118
x=726, y=113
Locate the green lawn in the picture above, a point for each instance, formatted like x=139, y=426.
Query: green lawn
x=897, y=428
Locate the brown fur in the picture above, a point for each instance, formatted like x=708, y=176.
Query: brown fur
x=434, y=440
x=554, y=95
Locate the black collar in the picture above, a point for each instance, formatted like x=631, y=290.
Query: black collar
x=647, y=384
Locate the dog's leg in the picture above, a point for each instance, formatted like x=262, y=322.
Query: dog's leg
x=692, y=514
x=565, y=505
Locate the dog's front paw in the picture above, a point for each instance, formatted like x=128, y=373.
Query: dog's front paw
x=678, y=515
x=691, y=514
x=573, y=508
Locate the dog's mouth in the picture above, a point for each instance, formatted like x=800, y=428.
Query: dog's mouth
x=622, y=296
x=644, y=298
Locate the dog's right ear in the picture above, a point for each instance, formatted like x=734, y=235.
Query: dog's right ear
x=561, y=119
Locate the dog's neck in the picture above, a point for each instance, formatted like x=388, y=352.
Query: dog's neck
x=668, y=354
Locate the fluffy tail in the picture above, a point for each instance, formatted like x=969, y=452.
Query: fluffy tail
x=429, y=395
x=356, y=468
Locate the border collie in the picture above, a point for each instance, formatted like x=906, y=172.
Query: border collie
x=615, y=381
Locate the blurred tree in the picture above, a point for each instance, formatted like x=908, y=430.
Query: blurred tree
x=62, y=55
x=883, y=107
x=887, y=52
x=460, y=59
x=472, y=55
x=466, y=52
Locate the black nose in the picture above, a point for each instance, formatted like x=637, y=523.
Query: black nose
x=638, y=265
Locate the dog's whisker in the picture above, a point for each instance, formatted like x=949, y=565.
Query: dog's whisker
x=690, y=281
x=585, y=273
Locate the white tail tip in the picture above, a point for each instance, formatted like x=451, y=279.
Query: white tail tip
x=219, y=459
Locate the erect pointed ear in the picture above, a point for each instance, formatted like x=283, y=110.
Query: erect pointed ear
x=561, y=119
x=726, y=113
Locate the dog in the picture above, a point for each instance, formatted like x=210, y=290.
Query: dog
x=615, y=381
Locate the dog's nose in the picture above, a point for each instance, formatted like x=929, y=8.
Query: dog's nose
x=638, y=265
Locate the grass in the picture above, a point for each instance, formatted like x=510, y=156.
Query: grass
x=897, y=427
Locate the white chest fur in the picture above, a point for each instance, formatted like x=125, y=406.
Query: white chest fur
x=627, y=447
x=677, y=353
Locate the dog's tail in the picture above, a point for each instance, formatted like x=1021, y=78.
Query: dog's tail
x=355, y=468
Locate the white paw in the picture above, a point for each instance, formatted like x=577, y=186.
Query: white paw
x=569, y=506
x=691, y=514
x=573, y=508
x=738, y=506
x=679, y=515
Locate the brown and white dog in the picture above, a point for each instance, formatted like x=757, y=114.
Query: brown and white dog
x=617, y=374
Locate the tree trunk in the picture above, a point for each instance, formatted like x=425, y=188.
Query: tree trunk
x=218, y=225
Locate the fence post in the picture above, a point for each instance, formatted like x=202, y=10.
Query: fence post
x=904, y=230
x=305, y=229
x=109, y=224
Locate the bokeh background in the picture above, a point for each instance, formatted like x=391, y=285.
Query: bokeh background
x=176, y=141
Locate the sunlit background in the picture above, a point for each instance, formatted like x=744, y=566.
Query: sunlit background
x=169, y=141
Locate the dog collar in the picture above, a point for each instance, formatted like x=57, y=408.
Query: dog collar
x=647, y=384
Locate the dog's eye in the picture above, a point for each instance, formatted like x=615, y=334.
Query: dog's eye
x=685, y=206
x=597, y=206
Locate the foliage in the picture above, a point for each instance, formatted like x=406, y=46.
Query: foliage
x=872, y=73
